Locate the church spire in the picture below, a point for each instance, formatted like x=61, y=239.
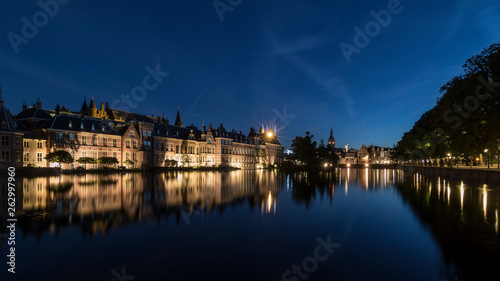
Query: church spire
x=331, y=140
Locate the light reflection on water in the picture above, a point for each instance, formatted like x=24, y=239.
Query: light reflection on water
x=457, y=214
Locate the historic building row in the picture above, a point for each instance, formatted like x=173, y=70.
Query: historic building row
x=146, y=141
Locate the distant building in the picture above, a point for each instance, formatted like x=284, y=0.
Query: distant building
x=374, y=155
x=147, y=141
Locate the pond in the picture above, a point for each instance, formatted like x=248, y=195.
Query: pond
x=347, y=224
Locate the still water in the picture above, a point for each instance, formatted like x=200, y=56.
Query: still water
x=254, y=225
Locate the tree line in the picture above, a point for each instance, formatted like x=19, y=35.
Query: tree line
x=465, y=122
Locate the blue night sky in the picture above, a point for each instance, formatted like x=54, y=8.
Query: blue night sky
x=263, y=57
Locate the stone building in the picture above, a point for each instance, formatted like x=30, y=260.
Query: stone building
x=147, y=141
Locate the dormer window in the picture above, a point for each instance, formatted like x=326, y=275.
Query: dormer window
x=81, y=125
x=70, y=124
x=93, y=126
x=103, y=127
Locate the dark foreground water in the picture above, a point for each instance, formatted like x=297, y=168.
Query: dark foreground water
x=254, y=225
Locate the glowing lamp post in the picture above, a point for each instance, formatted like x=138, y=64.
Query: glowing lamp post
x=487, y=161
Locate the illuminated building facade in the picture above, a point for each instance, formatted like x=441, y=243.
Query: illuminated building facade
x=146, y=141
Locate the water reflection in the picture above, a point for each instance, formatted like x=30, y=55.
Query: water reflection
x=101, y=202
x=463, y=217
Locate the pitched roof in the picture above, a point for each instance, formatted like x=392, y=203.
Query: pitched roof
x=178, y=120
x=6, y=122
x=74, y=123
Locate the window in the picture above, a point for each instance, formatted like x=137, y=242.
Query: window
x=19, y=156
x=18, y=141
x=104, y=154
x=84, y=153
x=127, y=156
x=103, y=127
x=39, y=157
x=135, y=143
x=131, y=134
x=115, y=155
x=70, y=124
x=143, y=133
x=26, y=144
x=94, y=140
x=71, y=138
x=149, y=133
x=84, y=140
x=5, y=140
x=105, y=141
x=115, y=143
x=26, y=157
x=176, y=149
x=5, y=156
x=59, y=138
x=127, y=143
x=134, y=156
x=94, y=155
x=39, y=144
x=81, y=125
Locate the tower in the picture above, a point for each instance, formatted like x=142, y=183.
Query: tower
x=84, y=107
x=331, y=140
x=92, y=108
x=178, y=120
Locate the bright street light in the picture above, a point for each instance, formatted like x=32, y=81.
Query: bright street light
x=269, y=135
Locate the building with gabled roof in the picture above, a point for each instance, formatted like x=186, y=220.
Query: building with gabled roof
x=145, y=141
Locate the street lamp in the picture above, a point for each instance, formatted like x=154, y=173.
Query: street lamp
x=487, y=161
x=270, y=135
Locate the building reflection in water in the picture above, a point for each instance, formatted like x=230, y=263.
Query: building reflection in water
x=101, y=202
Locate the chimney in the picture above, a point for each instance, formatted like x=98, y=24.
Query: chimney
x=25, y=106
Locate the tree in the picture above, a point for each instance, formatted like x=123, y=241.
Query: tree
x=86, y=160
x=465, y=120
x=170, y=163
x=107, y=161
x=128, y=162
x=185, y=160
x=60, y=157
x=304, y=149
